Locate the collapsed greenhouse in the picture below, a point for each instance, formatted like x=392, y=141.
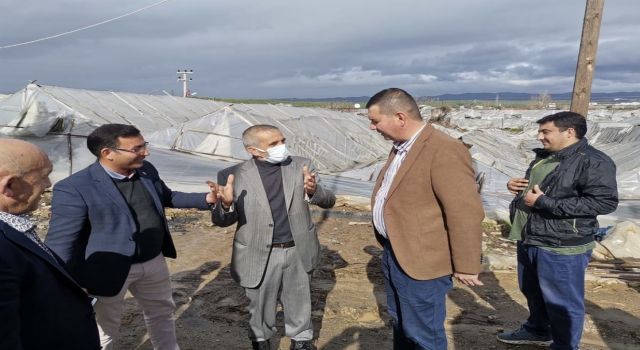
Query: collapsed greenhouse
x=192, y=139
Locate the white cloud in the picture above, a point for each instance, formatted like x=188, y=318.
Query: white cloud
x=354, y=76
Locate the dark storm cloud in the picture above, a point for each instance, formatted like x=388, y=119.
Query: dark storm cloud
x=301, y=49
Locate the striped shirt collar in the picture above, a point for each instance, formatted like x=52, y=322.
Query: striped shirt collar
x=20, y=223
x=404, y=146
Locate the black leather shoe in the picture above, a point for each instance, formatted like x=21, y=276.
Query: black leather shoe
x=261, y=345
x=302, y=345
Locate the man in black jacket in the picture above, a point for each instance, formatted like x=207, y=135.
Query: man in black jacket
x=41, y=306
x=553, y=219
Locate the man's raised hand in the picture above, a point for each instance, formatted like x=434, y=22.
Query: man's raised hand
x=309, y=181
x=223, y=194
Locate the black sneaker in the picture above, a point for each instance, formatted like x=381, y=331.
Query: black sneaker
x=522, y=336
x=261, y=345
x=302, y=345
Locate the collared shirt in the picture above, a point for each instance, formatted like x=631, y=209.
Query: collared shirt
x=117, y=176
x=401, y=150
x=23, y=224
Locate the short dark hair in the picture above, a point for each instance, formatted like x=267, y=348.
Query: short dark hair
x=565, y=120
x=106, y=136
x=392, y=100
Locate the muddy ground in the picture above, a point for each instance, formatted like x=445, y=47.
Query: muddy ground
x=348, y=295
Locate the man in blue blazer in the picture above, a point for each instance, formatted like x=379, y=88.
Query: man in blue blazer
x=41, y=306
x=108, y=224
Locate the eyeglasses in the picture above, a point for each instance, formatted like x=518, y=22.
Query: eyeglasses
x=136, y=150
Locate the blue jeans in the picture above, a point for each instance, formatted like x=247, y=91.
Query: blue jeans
x=554, y=287
x=416, y=307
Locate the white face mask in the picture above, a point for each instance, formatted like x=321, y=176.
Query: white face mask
x=276, y=154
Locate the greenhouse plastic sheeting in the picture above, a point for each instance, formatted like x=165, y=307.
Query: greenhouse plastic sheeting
x=38, y=110
x=192, y=139
x=59, y=119
x=335, y=141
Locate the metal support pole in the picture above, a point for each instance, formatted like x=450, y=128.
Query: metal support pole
x=185, y=79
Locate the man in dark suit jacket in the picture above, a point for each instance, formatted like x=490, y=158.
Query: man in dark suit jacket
x=427, y=214
x=276, y=244
x=41, y=306
x=108, y=224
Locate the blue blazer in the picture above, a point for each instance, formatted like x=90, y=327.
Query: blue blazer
x=92, y=227
x=41, y=306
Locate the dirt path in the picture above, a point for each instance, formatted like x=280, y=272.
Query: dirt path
x=349, y=300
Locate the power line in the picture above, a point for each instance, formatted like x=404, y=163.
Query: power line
x=83, y=28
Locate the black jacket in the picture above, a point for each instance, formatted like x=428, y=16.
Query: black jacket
x=580, y=188
x=41, y=306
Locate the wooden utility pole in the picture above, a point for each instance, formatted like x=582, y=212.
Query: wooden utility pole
x=587, y=57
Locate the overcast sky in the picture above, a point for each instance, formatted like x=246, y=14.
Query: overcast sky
x=329, y=48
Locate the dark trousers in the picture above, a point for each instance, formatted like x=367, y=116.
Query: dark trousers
x=416, y=307
x=554, y=287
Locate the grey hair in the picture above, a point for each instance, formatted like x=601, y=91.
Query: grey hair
x=249, y=136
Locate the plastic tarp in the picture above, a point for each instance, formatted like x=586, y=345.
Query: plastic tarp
x=191, y=139
x=38, y=110
x=621, y=241
x=337, y=142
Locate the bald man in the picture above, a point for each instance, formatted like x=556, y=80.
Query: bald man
x=41, y=306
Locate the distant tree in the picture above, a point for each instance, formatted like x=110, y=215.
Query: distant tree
x=543, y=100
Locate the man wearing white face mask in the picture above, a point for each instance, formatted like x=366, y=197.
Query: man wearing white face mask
x=275, y=245
x=276, y=154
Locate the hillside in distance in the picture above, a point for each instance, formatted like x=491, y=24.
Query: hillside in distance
x=516, y=96
x=484, y=96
